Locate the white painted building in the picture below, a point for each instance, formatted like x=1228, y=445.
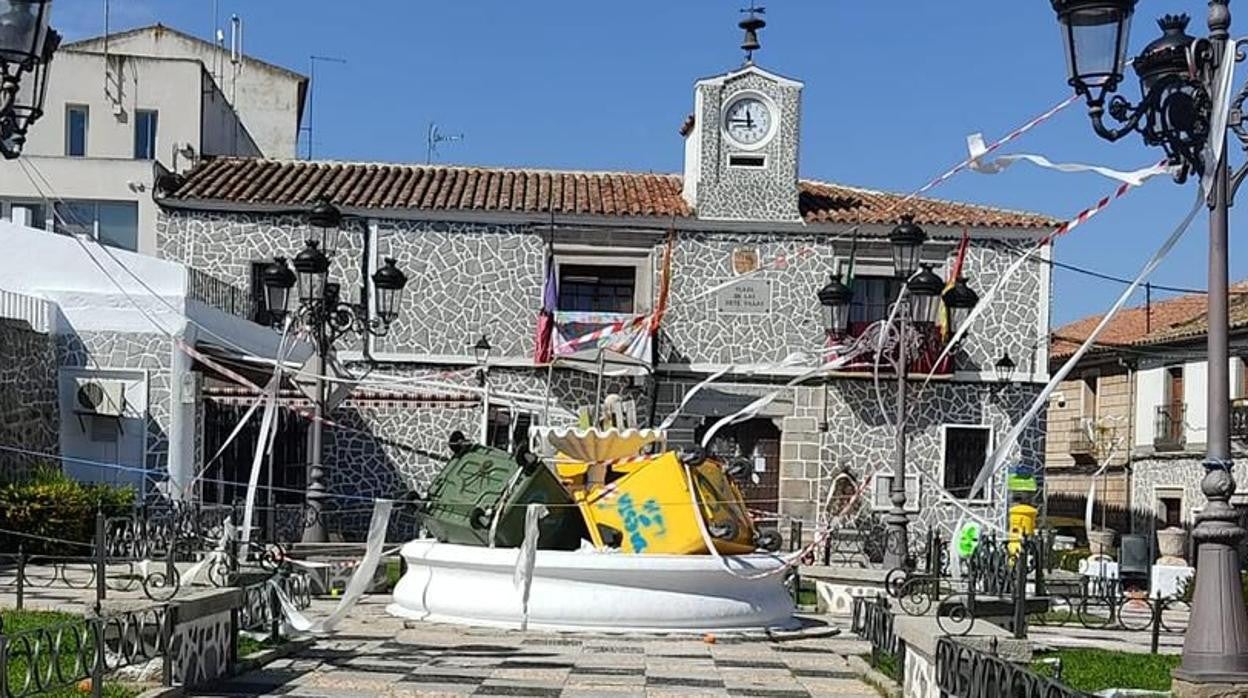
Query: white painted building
x=123, y=322
x=117, y=105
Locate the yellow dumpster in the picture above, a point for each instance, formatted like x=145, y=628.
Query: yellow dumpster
x=649, y=510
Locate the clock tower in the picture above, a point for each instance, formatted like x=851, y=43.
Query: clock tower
x=741, y=143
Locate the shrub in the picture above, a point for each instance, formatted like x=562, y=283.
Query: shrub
x=50, y=504
x=1068, y=560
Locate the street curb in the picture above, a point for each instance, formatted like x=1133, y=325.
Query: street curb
x=164, y=692
x=259, y=659
x=251, y=662
x=878, y=681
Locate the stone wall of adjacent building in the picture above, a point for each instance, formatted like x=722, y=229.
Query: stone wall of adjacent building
x=29, y=415
x=1180, y=474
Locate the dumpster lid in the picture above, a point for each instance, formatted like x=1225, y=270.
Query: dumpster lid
x=593, y=445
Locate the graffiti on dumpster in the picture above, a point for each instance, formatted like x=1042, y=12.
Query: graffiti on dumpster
x=638, y=523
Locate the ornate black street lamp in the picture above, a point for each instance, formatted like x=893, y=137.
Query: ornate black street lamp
x=907, y=240
x=326, y=317
x=835, y=298
x=482, y=350
x=26, y=49
x=1004, y=368
x=1177, y=75
x=959, y=300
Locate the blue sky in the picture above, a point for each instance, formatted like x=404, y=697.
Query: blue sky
x=892, y=90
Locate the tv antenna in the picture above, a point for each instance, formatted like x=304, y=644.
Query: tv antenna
x=312, y=91
x=435, y=137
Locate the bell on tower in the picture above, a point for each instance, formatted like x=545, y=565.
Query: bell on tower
x=751, y=25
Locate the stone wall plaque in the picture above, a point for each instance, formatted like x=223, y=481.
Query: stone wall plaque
x=746, y=297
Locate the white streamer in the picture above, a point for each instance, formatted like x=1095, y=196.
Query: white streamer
x=975, y=143
x=356, y=586
x=1212, y=157
x=996, y=461
x=526, y=559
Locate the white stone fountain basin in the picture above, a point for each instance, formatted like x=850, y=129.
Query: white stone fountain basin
x=591, y=591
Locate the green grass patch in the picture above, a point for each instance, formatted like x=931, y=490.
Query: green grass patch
x=75, y=649
x=394, y=570
x=248, y=646
x=1094, y=670
x=886, y=664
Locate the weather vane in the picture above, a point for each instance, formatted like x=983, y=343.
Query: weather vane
x=751, y=24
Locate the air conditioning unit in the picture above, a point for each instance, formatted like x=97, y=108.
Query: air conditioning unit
x=105, y=398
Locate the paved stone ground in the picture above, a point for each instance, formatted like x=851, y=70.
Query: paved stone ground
x=373, y=654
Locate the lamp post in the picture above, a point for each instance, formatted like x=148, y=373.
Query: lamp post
x=1177, y=74
x=482, y=350
x=326, y=316
x=26, y=49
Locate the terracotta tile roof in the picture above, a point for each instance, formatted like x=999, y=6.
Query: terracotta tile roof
x=1170, y=320
x=296, y=183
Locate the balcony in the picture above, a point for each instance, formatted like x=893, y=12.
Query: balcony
x=1169, y=433
x=1079, y=444
x=1239, y=419
x=923, y=361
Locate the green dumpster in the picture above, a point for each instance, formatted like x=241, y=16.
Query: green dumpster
x=462, y=499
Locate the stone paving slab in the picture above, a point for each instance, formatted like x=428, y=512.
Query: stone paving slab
x=374, y=654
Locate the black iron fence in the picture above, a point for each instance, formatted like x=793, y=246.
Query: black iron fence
x=965, y=672
x=54, y=657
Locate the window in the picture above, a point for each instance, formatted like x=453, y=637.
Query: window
x=880, y=486
x=144, y=134
x=506, y=429
x=114, y=223
x=597, y=289
x=117, y=224
x=1088, y=396
x=873, y=296
x=76, y=120
x=966, y=451
x=28, y=213
x=1170, y=510
x=259, y=301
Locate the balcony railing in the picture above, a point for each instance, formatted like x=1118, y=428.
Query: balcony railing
x=1239, y=419
x=1078, y=442
x=1169, y=433
x=220, y=294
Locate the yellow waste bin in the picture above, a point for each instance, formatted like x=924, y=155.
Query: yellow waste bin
x=1022, y=523
x=649, y=510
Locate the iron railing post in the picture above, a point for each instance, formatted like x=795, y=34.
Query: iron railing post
x=166, y=645
x=1020, y=592
x=21, y=579
x=101, y=542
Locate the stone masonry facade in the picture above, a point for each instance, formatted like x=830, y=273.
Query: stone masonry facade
x=470, y=278
x=29, y=413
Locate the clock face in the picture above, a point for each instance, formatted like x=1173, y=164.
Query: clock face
x=748, y=121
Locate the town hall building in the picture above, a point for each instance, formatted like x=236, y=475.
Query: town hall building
x=724, y=261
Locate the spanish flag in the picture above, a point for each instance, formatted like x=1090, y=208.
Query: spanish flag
x=954, y=272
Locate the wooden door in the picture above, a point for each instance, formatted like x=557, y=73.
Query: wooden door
x=757, y=441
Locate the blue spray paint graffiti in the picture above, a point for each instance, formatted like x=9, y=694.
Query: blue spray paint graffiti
x=639, y=523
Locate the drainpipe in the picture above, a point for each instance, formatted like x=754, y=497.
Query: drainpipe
x=182, y=400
